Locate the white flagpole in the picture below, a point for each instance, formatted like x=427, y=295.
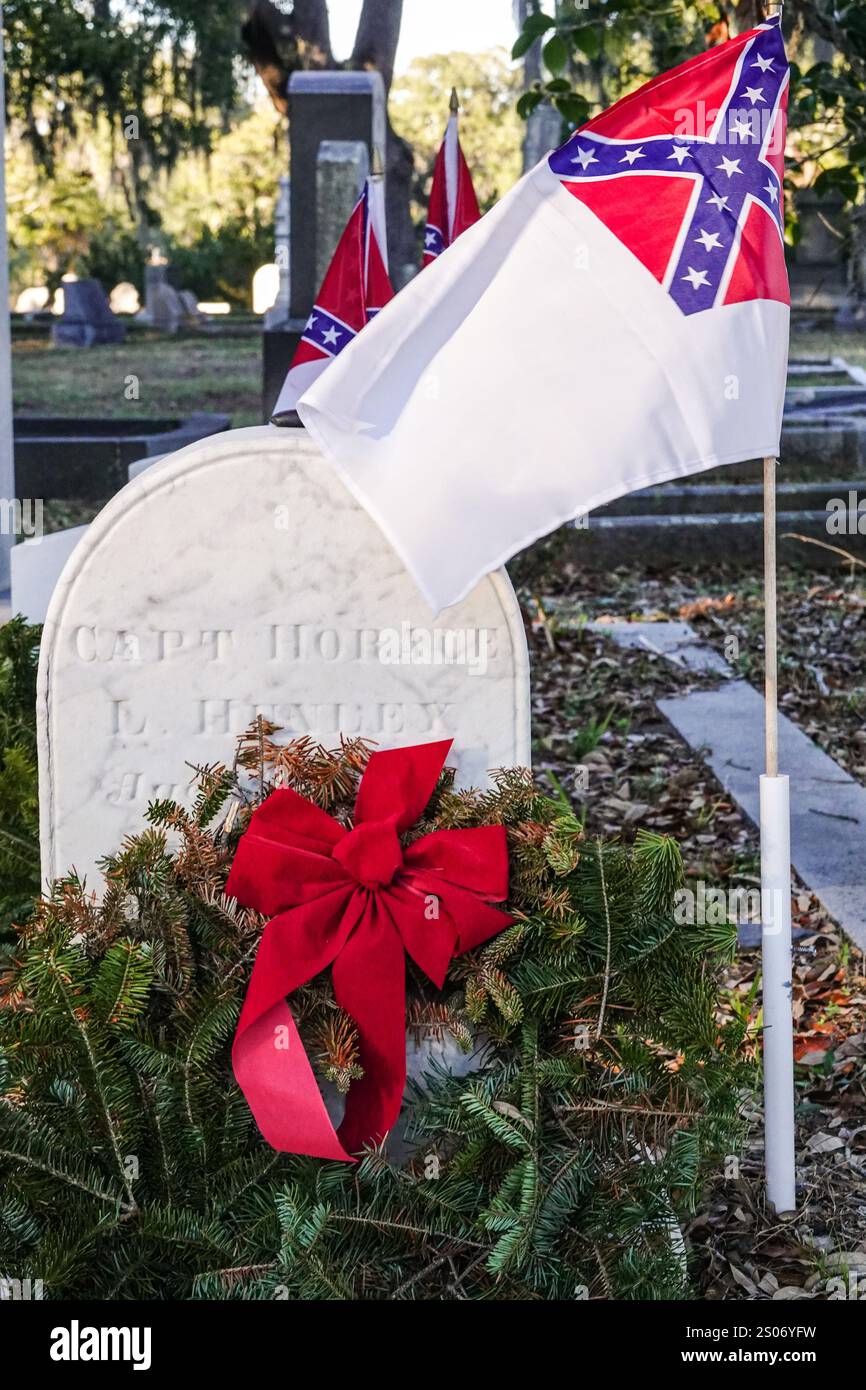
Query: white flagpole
x=778, y=1034
x=451, y=160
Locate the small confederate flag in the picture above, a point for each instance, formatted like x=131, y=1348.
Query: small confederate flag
x=355, y=287
x=453, y=205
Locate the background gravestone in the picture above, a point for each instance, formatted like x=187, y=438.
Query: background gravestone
x=818, y=263
x=341, y=168
x=239, y=578
x=87, y=318
x=323, y=106
x=155, y=278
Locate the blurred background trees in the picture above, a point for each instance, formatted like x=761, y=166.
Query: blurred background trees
x=590, y=57
x=145, y=124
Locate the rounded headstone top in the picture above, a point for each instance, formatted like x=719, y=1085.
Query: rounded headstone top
x=237, y=578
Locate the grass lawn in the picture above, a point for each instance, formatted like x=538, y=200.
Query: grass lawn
x=191, y=372
x=175, y=376
x=829, y=342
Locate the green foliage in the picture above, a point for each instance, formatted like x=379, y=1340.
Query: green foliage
x=589, y=59
x=112, y=253
x=827, y=110
x=212, y=214
x=131, y=1168
x=170, y=65
x=216, y=211
x=19, y=811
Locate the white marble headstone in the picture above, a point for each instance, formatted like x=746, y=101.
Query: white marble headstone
x=238, y=577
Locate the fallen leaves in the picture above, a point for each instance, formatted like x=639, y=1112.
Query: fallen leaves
x=591, y=695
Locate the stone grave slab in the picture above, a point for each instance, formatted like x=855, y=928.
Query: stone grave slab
x=36, y=567
x=677, y=642
x=236, y=578
x=828, y=807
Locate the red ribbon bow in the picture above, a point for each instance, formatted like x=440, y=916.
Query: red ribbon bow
x=354, y=899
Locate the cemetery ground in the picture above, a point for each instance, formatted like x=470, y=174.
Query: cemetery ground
x=171, y=376
x=595, y=707
x=189, y=372
x=158, y=375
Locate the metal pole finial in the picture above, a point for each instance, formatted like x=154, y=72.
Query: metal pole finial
x=454, y=104
x=377, y=167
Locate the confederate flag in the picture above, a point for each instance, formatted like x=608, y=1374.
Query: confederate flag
x=453, y=205
x=618, y=320
x=355, y=287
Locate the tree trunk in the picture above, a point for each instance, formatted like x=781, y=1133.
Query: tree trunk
x=279, y=43
x=747, y=14
x=377, y=37
x=375, y=47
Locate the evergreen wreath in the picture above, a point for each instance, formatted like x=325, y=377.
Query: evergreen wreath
x=605, y=1084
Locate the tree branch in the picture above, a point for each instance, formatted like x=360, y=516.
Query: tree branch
x=377, y=37
x=279, y=43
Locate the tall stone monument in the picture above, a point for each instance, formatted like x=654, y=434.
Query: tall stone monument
x=341, y=169
x=323, y=106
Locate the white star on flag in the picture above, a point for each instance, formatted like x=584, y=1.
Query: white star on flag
x=720, y=202
x=584, y=158
x=771, y=191
x=679, y=153
x=754, y=94
x=331, y=335
x=696, y=278
x=631, y=155
x=710, y=240
x=765, y=64
x=730, y=166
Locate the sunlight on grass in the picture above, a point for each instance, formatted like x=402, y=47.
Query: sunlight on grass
x=175, y=376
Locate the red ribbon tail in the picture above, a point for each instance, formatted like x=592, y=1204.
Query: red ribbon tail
x=370, y=984
x=274, y=1073
x=268, y=1057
